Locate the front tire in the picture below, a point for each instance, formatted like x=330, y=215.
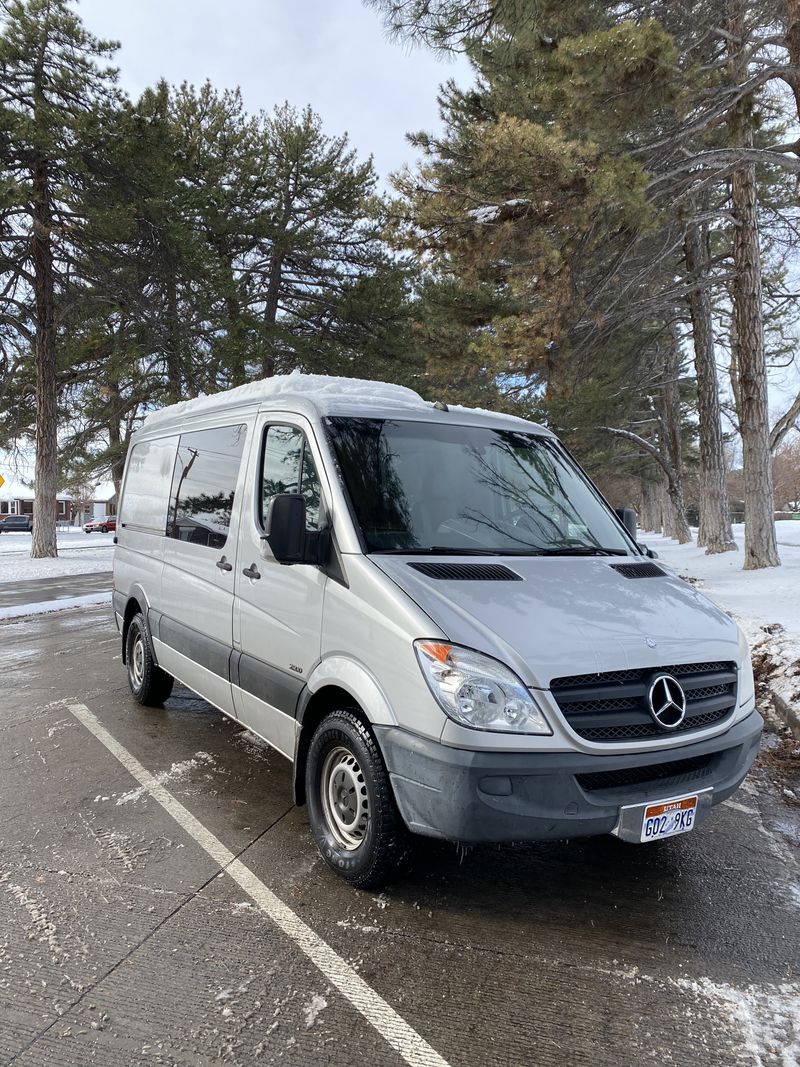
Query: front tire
x=148, y=683
x=351, y=807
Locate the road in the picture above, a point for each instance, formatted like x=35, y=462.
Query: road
x=46, y=590
x=124, y=942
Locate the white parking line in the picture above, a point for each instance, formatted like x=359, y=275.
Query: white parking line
x=393, y=1029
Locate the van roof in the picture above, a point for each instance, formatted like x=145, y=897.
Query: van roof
x=327, y=395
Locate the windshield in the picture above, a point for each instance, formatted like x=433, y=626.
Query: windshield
x=437, y=488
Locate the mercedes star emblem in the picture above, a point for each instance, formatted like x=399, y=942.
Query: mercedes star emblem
x=667, y=701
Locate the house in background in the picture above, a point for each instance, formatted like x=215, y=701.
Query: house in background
x=104, y=501
x=17, y=499
x=76, y=508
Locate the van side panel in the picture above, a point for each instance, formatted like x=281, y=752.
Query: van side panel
x=370, y=626
x=139, y=554
x=195, y=629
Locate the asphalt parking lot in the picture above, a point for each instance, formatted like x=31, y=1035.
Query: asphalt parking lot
x=161, y=901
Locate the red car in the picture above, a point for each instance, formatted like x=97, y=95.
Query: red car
x=109, y=522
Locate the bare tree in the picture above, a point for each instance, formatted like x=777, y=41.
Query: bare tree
x=715, y=531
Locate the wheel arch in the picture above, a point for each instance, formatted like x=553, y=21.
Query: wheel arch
x=137, y=601
x=327, y=696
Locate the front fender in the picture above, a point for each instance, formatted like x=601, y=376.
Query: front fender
x=356, y=680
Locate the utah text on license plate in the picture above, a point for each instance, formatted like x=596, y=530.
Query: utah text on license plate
x=668, y=818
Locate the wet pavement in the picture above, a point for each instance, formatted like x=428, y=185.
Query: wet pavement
x=45, y=590
x=123, y=942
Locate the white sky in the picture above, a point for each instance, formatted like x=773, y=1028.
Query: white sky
x=331, y=54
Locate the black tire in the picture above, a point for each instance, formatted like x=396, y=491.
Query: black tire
x=378, y=846
x=103, y=529
x=149, y=684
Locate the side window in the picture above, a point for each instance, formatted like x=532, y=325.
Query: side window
x=203, y=484
x=288, y=467
x=147, y=480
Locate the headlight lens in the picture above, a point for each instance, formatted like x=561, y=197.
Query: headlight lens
x=747, y=685
x=478, y=691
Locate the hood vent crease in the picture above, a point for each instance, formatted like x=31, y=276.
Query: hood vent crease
x=467, y=572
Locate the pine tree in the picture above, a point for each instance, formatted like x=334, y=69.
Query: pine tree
x=52, y=87
x=636, y=99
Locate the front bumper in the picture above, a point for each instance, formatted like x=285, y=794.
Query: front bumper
x=473, y=796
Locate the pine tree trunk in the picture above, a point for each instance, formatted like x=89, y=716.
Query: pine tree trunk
x=173, y=353
x=651, y=516
x=760, y=545
x=715, y=525
x=43, y=541
x=115, y=437
x=793, y=47
x=670, y=411
x=271, y=312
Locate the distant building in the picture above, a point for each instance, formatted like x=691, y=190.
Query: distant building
x=17, y=499
x=104, y=500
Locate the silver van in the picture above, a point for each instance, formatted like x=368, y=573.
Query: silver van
x=433, y=613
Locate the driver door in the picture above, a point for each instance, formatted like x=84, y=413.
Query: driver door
x=278, y=607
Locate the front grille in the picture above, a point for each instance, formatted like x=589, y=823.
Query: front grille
x=613, y=706
x=675, y=773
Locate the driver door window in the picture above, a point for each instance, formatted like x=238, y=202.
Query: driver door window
x=288, y=467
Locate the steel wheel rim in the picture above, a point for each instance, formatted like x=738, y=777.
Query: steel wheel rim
x=137, y=661
x=343, y=792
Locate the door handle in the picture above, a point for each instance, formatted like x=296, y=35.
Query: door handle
x=224, y=565
x=251, y=572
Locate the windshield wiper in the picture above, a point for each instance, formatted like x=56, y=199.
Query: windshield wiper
x=435, y=550
x=581, y=550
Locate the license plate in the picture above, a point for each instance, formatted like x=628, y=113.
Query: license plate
x=668, y=818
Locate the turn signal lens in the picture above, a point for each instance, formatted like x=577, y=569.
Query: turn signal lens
x=478, y=691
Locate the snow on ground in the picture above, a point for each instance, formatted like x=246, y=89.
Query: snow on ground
x=765, y=603
x=78, y=553
x=18, y=611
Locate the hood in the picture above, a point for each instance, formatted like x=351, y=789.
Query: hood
x=569, y=615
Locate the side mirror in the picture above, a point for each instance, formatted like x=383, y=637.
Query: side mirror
x=627, y=516
x=648, y=551
x=285, y=532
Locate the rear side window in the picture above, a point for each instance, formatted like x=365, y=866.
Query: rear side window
x=288, y=467
x=203, y=485
x=147, y=481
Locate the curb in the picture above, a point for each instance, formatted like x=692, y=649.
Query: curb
x=788, y=714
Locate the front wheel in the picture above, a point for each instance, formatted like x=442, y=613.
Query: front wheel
x=149, y=684
x=353, y=815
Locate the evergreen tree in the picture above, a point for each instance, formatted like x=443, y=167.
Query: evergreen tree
x=52, y=89
x=620, y=111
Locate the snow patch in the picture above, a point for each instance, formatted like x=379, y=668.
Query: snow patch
x=351, y=924
x=175, y=772
x=313, y=1008
x=42, y=928
x=320, y=388
x=768, y=1017
x=19, y=611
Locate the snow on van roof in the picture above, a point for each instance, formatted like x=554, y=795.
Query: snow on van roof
x=321, y=390
x=325, y=393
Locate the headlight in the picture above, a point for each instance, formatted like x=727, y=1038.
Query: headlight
x=477, y=691
x=747, y=685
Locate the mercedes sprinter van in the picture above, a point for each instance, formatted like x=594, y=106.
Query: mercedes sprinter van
x=433, y=613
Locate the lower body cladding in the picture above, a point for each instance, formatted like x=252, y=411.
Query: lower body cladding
x=473, y=796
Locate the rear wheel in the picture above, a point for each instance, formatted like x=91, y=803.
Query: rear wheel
x=149, y=684
x=353, y=815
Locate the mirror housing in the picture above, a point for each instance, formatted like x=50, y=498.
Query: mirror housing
x=649, y=552
x=286, y=534
x=627, y=516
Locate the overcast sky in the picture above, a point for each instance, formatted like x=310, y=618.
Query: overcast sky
x=332, y=54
